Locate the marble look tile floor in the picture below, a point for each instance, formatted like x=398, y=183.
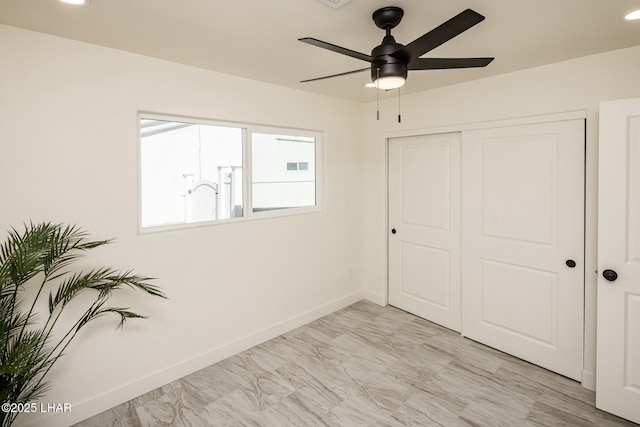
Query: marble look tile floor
x=365, y=365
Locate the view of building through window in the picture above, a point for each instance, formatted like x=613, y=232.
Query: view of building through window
x=194, y=172
x=189, y=172
x=283, y=171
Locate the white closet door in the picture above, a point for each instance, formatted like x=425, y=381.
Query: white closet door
x=523, y=242
x=424, y=227
x=618, y=354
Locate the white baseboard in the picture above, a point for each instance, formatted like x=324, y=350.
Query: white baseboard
x=589, y=380
x=375, y=298
x=114, y=397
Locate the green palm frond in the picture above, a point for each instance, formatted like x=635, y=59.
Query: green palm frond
x=41, y=256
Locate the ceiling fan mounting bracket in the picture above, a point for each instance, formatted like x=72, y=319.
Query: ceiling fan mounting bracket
x=388, y=17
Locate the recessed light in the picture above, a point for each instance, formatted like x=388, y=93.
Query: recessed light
x=335, y=3
x=78, y=2
x=632, y=15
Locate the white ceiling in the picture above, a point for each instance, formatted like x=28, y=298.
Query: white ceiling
x=257, y=39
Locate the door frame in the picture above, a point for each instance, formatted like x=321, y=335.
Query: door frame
x=590, y=234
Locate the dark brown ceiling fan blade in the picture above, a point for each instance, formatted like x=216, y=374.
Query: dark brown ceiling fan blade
x=336, y=75
x=447, y=63
x=337, y=49
x=443, y=33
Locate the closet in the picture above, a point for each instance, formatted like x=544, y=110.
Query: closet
x=486, y=236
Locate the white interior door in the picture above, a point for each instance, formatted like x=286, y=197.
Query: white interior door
x=523, y=242
x=424, y=227
x=618, y=348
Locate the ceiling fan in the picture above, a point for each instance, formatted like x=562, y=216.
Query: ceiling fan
x=391, y=61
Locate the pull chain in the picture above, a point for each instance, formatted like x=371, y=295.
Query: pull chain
x=377, y=94
x=399, y=118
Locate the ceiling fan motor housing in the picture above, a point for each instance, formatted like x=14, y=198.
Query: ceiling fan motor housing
x=386, y=65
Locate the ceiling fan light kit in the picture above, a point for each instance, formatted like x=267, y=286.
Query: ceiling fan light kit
x=633, y=15
x=389, y=83
x=390, y=61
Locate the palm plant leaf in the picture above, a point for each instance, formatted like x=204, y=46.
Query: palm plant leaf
x=40, y=256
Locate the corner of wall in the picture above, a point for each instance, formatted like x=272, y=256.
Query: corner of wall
x=375, y=298
x=589, y=380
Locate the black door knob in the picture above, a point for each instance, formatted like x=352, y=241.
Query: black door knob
x=610, y=275
x=570, y=263
x=393, y=231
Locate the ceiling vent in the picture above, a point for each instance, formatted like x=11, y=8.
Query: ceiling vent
x=335, y=3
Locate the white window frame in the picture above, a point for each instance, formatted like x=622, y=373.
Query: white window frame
x=319, y=159
x=247, y=180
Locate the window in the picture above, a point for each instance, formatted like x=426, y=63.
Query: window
x=271, y=188
x=195, y=171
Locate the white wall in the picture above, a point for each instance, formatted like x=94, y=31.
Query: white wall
x=68, y=153
x=579, y=84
